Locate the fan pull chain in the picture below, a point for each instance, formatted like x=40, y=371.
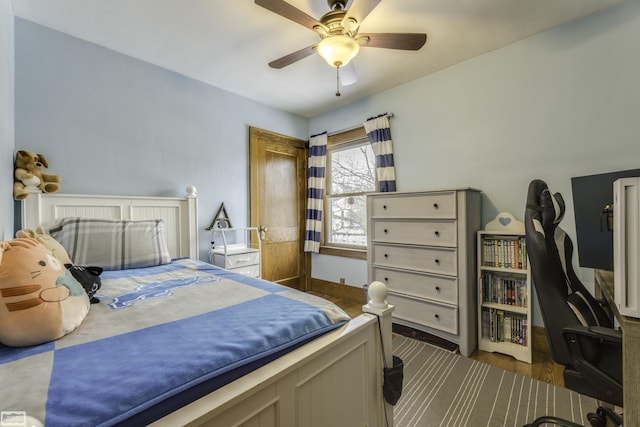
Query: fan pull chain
x=338, y=80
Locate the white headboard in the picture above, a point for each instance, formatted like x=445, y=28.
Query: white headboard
x=180, y=214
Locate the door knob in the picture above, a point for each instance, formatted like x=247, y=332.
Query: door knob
x=263, y=232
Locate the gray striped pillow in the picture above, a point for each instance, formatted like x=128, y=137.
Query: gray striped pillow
x=113, y=244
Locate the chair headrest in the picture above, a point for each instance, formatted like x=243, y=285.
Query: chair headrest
x=553, y=206
x=549, y=207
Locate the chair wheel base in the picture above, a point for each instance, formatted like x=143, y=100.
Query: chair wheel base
x=603, y=417
x=553, y=421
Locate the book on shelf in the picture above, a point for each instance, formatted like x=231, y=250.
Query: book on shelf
x=504, y=252
x=501, y=326
x=500, y=289
x=507, y=328
x=486, y=324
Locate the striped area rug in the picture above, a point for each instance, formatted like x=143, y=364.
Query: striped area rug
x=445, y=389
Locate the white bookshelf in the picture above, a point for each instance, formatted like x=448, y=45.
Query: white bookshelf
x=504, y=289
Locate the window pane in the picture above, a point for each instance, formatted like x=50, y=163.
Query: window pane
x=347, y=220
x=352, y=170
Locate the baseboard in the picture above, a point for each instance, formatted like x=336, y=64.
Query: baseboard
x=338, y=290
x=540, y=342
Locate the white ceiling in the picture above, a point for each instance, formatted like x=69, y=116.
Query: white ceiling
x=228, y=43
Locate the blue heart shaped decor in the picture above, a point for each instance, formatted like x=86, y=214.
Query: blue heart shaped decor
x=504, y=221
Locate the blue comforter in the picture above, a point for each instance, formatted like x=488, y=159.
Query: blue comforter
x=159, y=334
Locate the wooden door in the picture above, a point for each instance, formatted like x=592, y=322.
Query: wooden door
x=278, y=204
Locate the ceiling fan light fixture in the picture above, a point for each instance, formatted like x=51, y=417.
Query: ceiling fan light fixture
x=338, y=50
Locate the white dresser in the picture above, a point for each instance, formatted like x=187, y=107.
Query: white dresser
x=422, y=246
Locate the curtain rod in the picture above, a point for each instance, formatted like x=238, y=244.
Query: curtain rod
x=390, y=115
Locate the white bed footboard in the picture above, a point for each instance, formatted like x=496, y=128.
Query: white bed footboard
x=335, y=380
x=180, y=214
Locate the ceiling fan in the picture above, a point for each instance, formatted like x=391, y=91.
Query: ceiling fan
x=338, y=31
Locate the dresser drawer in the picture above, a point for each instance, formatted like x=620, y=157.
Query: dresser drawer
x=427, y=286
x=431, y=233
x=237, y=259
x=433, y=315
x=432, y=205
x=248, y=270
x=429, y=259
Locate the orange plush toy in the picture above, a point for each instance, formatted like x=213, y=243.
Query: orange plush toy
x=40, y=301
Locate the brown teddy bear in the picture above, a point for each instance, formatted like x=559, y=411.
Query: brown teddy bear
x=28, y=175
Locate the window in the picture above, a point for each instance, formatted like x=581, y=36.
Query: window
x=351, y=175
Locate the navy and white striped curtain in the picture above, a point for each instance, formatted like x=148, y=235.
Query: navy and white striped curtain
x=315, y=191
x=379, y=135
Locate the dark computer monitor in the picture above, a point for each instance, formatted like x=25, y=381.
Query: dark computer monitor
x=594, y=238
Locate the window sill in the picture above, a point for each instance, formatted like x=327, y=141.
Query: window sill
x=344, y=252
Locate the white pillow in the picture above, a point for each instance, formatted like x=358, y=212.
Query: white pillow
x=113, y=244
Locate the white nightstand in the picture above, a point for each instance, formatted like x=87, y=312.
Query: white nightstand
x=242, y=255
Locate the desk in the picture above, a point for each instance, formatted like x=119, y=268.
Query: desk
x=630, y=350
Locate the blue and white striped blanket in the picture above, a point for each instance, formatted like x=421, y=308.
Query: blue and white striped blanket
x=158, y=332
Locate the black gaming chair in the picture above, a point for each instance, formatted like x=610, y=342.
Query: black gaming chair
x=579, y=330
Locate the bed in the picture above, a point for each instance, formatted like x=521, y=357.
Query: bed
x=165, y=345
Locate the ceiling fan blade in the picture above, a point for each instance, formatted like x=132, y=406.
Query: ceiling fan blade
x=359, y=10
x=403, y=41
x=284, y=9
x=293, y=57
x=348, y=75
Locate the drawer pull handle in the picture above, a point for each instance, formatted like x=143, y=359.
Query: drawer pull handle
x=437, y=316
x=384, y=206
x=242, y=260
x=386, y=279
x=435, y=206
x=437, y=233
x=437, y=288
x=386, y=256
x=437, y=261
x=386, y=231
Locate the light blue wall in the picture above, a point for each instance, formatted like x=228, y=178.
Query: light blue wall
x=561, y=104
x=6, y=118
x=111, y=124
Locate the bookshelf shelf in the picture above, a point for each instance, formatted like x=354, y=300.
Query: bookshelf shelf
x=504, y=270
x=506, y=307
x=504, y=290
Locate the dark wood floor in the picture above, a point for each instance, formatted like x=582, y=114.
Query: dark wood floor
x=542, y=367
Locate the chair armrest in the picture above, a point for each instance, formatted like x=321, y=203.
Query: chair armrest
x=613, y=336
x=596, y=357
